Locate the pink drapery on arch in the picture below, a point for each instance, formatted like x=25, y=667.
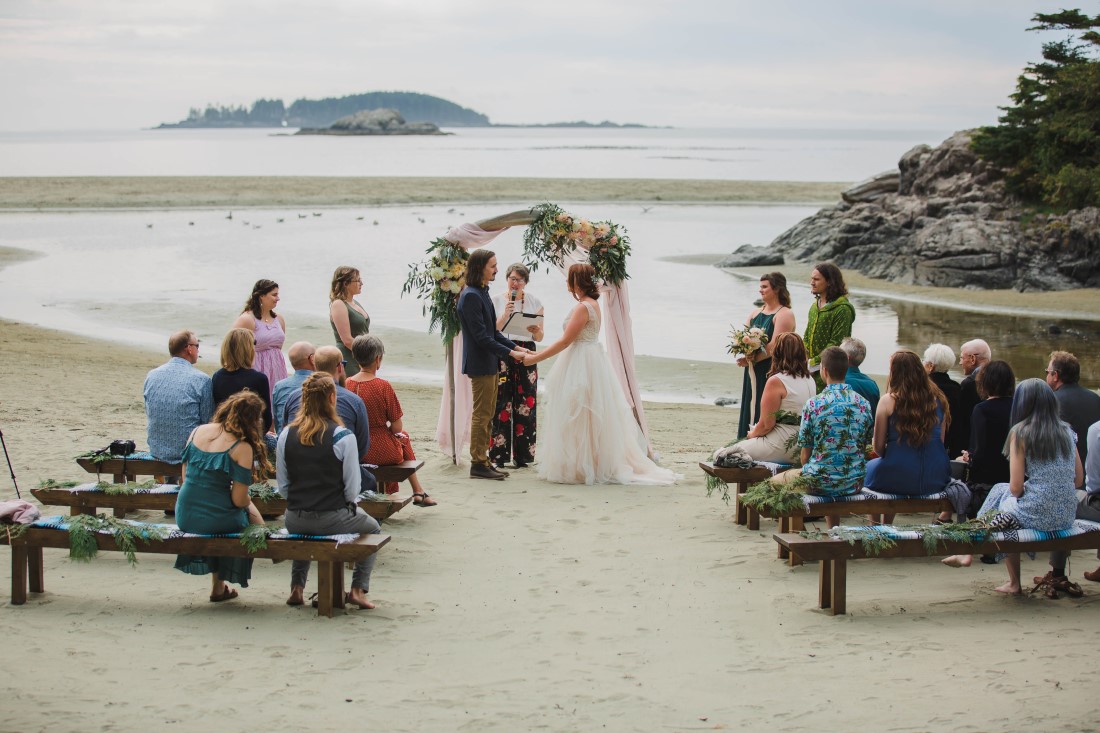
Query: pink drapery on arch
x=453, y=429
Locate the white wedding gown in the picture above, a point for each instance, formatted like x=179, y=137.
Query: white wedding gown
x=587, y=433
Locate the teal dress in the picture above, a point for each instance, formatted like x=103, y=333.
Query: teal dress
x=750, y=400
x=205, y=506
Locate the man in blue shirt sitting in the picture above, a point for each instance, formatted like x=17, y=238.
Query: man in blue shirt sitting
x=857, y=380
x=178, y=399
x=302, y=359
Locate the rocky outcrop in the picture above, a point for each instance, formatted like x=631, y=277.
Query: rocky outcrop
x=944, y=219
x=375, y=122
x=748, y=255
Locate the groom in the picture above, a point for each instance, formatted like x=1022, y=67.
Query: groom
x=483, y=346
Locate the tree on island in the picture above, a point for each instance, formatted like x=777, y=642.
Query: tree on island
x=1049, y=139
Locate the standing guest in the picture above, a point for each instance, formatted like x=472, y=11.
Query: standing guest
x=346, y=316
x=1043, y=468
x=774, y=317
x=857, y=380
x=910, y=426
x=268, y=330
x=349, y=408
x=178, y=398
x=831, y=315
x=514, y=422
x=220, y=461
x=1078, y=406
x=938, y=358
x=973, y=355
x=836, y=427
x=238, y=352
x=788, y=388
x=302, y=360
x=483, y=346
x=317, y=470
x=389, y=443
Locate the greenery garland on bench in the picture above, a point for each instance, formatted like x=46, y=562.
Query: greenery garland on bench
x=875, y=540
x=551, y=236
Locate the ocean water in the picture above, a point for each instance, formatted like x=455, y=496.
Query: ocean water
x=135, y=276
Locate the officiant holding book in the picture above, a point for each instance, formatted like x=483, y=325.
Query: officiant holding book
x=514, y=422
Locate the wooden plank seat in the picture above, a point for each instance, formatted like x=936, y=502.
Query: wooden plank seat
x=741, y=479
x=833, y=554
x=87, y=499
x=143, y=464
x=330, y=554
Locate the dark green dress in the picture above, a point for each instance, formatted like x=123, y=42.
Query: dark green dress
x=360, y=325
x=765, y=321
x=205, y=506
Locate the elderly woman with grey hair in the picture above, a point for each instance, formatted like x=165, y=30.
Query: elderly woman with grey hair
x=938, y=358
x=389, y=443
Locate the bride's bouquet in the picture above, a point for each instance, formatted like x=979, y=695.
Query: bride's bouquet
x=746, y=340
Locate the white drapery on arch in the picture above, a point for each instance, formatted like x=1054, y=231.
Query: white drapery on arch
x=453, y=428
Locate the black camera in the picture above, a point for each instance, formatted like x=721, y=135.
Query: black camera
x=122, y=447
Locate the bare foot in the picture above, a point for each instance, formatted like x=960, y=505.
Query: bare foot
x=296, y=596
x=958, y=561
x=1009, y=588
x=358, y=598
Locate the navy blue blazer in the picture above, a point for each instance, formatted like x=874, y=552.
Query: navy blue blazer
x=483, y=346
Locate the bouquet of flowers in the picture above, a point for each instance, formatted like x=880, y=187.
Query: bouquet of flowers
x=746, y=340
x=556, y=233
x=438, y=282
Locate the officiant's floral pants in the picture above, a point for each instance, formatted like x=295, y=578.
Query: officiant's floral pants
x=514, y=422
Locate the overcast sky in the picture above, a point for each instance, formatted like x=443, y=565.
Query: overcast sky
x=908, y=64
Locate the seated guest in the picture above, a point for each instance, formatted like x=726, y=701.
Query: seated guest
x=301, y=358
x=1078, y=406
x=989, y=424
x=236, y=374
x=910, y=426
x=836, y=427
x=938, y=359
x=788, y=388
x=973, y=355
x=1043, y=468
x=857, y=380
x=178, y=398
x=349, y=408
x=389, y=443
x=1088, y=508
x=317, y=470
x=220, y=461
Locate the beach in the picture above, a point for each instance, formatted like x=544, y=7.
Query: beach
x=512, y=606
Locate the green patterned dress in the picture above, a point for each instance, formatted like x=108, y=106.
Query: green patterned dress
x=827, y=326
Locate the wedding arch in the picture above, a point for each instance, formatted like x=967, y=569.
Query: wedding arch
x=554, y=238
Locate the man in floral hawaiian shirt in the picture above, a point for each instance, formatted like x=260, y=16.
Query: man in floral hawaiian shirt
x=836, y=427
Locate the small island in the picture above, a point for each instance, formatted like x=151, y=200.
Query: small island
x=374, y=122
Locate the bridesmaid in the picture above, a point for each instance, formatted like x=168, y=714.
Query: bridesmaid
x=775, y=317
x=269, y=329
x=347, y=318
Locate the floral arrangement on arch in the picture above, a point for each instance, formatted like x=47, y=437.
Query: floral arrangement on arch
x=437, y=282
x=556, y=233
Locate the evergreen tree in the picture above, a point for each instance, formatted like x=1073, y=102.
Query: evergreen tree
x=1049, y=139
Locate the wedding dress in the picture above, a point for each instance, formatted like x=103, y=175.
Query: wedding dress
x=588, y=434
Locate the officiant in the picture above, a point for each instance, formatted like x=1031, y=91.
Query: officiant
x=774, y=316
x=513, y=436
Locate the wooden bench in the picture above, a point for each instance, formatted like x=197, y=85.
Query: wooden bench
x=27, y=566
x=88, y=502
x=741, y=479
x=125, y=469
x=834, y=554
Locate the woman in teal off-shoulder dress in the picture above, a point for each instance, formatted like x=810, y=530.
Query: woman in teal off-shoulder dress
x=775, y=317
x=213, y=499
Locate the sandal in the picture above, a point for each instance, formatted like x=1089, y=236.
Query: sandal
x=423, y=498
x=227, y=594
x=1060, y=583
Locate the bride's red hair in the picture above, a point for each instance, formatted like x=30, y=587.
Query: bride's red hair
x=582, y=279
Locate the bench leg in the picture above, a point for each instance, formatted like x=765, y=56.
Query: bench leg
x=325, y=572
x=825, y=584
x=839, y=587
x=338, y=584
x=784, y=527
x=36, y=570
x=120, y=513
x=19, y=555
x=797, y=524
x=742, y=510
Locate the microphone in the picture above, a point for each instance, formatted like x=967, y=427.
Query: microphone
x=513, y=296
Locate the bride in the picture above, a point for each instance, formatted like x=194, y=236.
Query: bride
x=588, y=433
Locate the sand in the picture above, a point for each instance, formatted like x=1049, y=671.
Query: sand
x=513, y=606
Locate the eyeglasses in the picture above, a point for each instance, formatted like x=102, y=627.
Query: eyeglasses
x=343, y=362
x=1051, y=371
x=196, y=344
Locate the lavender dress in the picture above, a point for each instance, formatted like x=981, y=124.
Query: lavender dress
x=269, y=353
